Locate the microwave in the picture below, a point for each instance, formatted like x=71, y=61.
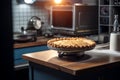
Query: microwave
x=76, y=19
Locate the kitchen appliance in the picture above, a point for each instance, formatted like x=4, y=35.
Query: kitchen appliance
x=74, y=19
x=115, y=41
x=35, y=23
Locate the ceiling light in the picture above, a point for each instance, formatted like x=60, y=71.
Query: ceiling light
x=57, y=1
x=29, y=1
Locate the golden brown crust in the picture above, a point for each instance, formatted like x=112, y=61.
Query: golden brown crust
x=71, y=43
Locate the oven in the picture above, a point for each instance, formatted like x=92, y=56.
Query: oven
x=76, y=18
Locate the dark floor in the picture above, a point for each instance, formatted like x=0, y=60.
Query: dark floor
x=22, y=74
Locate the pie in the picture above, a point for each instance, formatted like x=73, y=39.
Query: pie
x=71, y=43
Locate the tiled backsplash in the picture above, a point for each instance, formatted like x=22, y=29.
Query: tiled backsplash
x=23, y=12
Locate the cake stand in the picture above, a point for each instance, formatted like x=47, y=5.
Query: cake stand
x=76, y=52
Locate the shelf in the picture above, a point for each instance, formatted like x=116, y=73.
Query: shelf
x=104, y=2
x=104, y=16
x=104, y=25
x=114, y=5
x=104, y=5
x=107, y=10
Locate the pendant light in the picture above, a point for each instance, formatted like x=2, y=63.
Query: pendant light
x=29, y=1
x=26, y=1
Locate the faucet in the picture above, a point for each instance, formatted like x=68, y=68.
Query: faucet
x=23, y=30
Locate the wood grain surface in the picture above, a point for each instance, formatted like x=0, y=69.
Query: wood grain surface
x=91, y=60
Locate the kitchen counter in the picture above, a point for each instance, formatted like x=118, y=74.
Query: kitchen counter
x=92, y=60
x=40, y=41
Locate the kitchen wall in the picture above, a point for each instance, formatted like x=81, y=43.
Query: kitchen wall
x=23, y=12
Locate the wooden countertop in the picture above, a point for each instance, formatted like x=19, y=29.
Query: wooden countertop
x=40, y=41
x=95, y=58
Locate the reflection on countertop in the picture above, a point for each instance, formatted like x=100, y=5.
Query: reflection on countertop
x=102, y=46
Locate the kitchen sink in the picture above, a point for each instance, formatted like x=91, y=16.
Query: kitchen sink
x=24, y=37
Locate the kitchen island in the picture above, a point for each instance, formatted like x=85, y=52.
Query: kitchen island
x=96, y=64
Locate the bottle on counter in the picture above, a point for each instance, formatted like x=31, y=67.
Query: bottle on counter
x=115, y=24
x=115, y=36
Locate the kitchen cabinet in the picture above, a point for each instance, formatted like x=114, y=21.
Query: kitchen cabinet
x=39, y=72
x=21, y=65
x=28, y=47
x=107, y=10
x=18, y=60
